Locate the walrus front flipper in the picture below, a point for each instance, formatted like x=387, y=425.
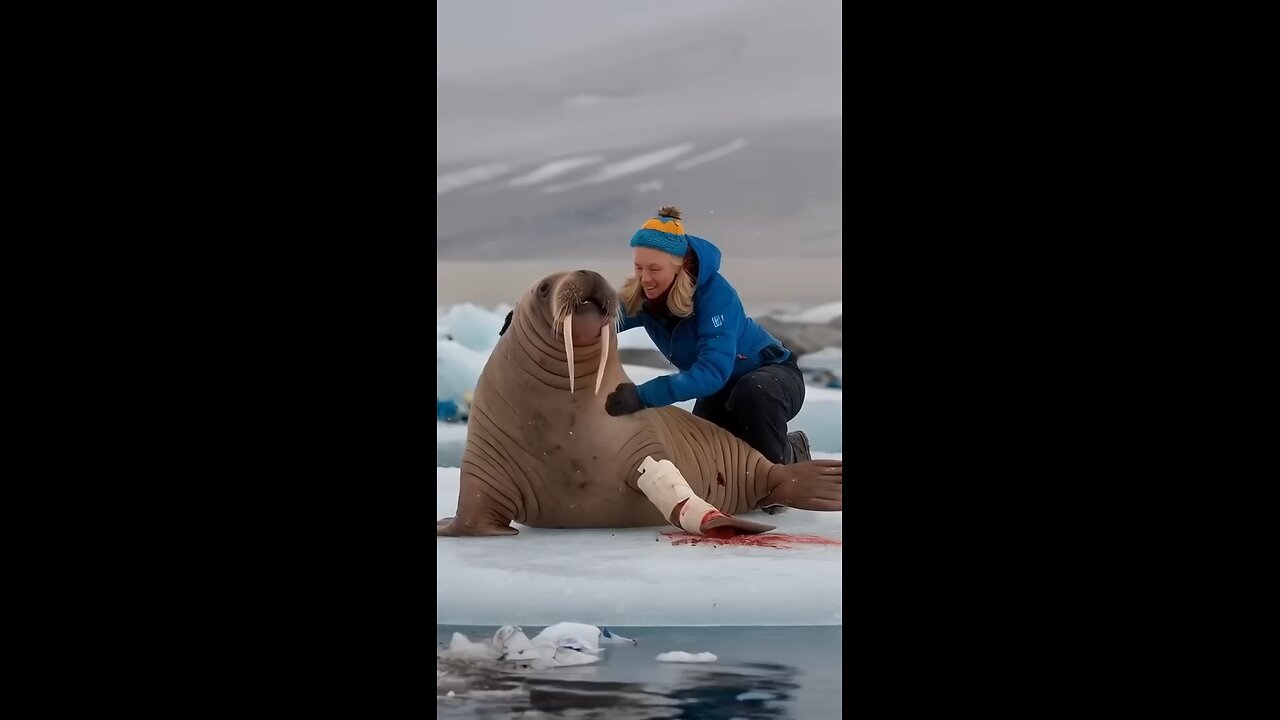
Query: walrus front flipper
x=454, y=527
x=667, y=489
x=723, y=526
x=812, y=485
x=486, y=498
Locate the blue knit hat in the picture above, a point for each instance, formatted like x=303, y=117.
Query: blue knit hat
x=664, y=232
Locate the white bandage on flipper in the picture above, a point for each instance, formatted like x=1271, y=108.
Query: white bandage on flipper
x=662, y=483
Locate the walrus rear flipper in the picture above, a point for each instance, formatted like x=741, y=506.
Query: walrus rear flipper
x=812, y=485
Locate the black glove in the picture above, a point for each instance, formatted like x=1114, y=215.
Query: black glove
x=623, y=401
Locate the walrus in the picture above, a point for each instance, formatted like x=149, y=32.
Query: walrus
x=542, y=451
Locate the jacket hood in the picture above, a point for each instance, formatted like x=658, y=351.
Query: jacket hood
x=708, y=257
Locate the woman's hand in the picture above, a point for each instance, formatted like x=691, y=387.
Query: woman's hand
x=623, y=401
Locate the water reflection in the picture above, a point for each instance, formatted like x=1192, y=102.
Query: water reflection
x=628, y=683
x=751, y=690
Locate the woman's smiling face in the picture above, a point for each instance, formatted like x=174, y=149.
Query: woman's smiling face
x=655, y=270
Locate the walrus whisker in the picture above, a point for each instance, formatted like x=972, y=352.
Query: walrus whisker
x=604, y=354
x=557, y=319
x=568, y=345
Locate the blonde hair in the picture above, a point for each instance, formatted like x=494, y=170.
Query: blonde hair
x=679, y=300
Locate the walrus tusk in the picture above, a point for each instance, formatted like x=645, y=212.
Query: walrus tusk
x=604, y=354
x=662, y=483
x=568, y=345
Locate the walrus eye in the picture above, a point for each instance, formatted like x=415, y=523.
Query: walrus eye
x=543, y=288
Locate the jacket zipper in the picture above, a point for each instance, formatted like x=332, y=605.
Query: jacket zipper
x=673, y=337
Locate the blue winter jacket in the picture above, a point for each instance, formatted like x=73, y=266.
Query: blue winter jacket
x=714, y=345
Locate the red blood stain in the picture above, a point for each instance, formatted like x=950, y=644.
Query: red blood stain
x=780, y=541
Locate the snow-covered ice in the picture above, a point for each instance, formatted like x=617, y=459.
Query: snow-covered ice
x=820, y=314
x=637, y=576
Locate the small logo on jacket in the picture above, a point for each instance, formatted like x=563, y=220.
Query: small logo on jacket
x=717, y=320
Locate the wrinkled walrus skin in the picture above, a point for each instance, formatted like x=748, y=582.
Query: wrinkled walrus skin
x=547, y=456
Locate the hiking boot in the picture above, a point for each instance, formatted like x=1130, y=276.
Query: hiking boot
x=797, y=450
x=799, y=443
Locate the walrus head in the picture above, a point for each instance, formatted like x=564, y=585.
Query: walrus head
x=576, y=308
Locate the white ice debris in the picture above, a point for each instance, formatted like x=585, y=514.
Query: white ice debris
x=679, y=656
x=560, y=645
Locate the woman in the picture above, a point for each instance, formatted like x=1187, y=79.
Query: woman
x=744, y=380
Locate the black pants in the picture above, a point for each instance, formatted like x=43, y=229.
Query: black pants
x=757, y=406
